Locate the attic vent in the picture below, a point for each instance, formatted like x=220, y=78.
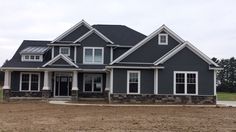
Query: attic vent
x=163, y=39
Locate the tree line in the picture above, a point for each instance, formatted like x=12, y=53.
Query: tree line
x=226, y=78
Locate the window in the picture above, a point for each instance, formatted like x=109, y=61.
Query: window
x=65, y=51
x=29, y=82
x=186, y=83
x=163, y=39
x=33, y=58
x=133, y=82
x=93, y=55
x=92, y=83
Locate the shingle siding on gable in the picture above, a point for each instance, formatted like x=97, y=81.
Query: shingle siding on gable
x=76, y=34
x=151, y=51
x=186, y=60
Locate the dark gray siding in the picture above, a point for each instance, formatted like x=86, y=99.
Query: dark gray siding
x=15, y=80
x=57, y=50
x=151, y=51
x=76, y=34
x=120, y=81
x=93, y=41
x=118, y=52
x=186, y=60
x=60, y=62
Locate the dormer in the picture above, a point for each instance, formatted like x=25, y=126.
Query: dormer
x=33, y=54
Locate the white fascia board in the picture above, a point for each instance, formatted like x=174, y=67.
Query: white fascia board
x=89, y=33
x=135, y=67
x=192, y=48
x=57, y=58
x=82, y=22
x=149, y=37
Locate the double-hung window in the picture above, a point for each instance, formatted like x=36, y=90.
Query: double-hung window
x=133, y=82
x=65, y=51
x=93, y=55
x=29, y=82
x=185, y=83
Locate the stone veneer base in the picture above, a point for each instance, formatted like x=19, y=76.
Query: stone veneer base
x=162, y=99
x=74, y=95
x=46, y=94
x=6, y=94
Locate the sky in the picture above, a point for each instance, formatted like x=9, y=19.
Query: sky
x=210, y=25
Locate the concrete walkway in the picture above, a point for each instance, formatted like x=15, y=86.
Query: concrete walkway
x=125, y=105
x=227, y=103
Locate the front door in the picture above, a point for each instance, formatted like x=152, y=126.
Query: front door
x=63, y=85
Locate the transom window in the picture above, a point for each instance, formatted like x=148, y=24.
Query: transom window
x=65, y=51
x=133, y=82
x=186, y=83
x=32, y=58
x=93, y=55
x=29, y=82
x=163, y=39
x=92, y=83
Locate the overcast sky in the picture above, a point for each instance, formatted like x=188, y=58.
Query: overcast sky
x=208, y=24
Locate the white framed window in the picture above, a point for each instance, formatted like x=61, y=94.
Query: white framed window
x=33, y=58
x=163, y=39
x=65, y=51
x=92, y=83
x=185, y=82
x=93, y=55
x=133, y=82
x=29, y=81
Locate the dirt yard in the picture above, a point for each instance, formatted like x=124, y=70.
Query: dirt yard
x=28, y=116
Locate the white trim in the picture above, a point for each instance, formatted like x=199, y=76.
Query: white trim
x=7, y=80
x=91, y=32
x=216, y=68
x=38, y=69
x=185, y=82
x=135, y=63
x=52, y=52
x=72, y=29
x=75, y=81
x=156, y=81
x=111, y=54
x=189, y=46
x=46, y=81
x=75, y=54
x=139, y=81
x=62, y=57
x=67, y=48
x=23, y=58
x=111, y=81
x=30, y=77
x=136, y=67
x=93, y=55
x=56, y=44
x=99, y=75
x=149, y=37
x=215, y=72
x=159, y=39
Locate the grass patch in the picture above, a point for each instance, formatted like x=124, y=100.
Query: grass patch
x=223, y=96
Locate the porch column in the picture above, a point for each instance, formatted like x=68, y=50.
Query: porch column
x=75, y=89
x=108, y=88
x=46, y=91
x=7, y=88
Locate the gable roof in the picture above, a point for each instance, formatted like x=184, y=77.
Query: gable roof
x=179, y=48
x=120, y=34
x=149, y=37
x=60, y=56
x=91, y=32
x=70, y=30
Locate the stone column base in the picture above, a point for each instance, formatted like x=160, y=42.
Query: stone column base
x=46, y=94
x=74, y=95
x=6, y=94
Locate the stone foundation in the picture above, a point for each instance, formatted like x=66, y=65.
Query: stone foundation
x=6, y=94
x=163, y=99
x=74, y=95
x=46, y=94
x=25, y=94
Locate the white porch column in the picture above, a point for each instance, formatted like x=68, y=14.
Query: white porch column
x=107, y=88
x=156, y=81
x=75, y=81
x=7, y=80
x=46, y=81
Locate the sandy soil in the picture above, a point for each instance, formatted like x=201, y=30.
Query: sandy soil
x=28, y=116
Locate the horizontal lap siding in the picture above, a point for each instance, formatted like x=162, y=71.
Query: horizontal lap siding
x=186, y=60
x=120, y=81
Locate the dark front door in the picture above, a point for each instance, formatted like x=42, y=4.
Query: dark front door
x=63, y=85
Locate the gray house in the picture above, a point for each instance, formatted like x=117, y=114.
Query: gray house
x=112, y=62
